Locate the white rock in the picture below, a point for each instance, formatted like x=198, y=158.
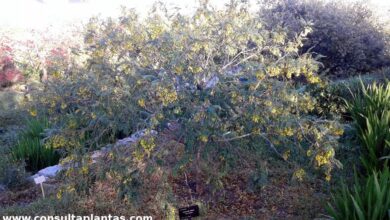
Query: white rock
x=134, y=137
x=233, y=71
x=96, y=154
x=211, y=83
x=31, y=178
x=126, y=141
x=2, y=188
x=50, y=171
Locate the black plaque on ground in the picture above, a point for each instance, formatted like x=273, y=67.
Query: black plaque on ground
x=189, y=212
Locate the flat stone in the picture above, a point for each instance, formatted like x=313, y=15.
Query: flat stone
x=97, y=154
x=50, y=171
x=134, y=137
x=31, y=178
x=2, y=188
x=211, y=83
x=126, y=141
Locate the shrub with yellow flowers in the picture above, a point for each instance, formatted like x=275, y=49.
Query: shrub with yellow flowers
x=230, y=84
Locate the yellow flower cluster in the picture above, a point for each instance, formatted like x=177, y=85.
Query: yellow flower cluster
x=286, y=154
x=98, y=53
x=178, y=70
x=84, y=170
x=72, y=124
x=235, y=97
x=337, y=131
x=33, y=112
x=68, y=189
x=63, y=105
x=199, y=116
x=260, y=75
x=287, y=132
x=324, y=158
x=256, y=118
x=275, y=111
x=196, y=69
x=268, y=103
x=306, y=103
x=204, y=138
x=83, y=92
x=256, y=131
x=148, y=145
x=141, y=102
x=273, y=71
x=58, y=141
x=299, y=174
x=313, y=79
x=138, y=155
x=156, y=31
x=328, y=177
x=177, y=110
x=166, y=95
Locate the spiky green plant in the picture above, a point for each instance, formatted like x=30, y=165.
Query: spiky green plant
x=370, y=111
x=31, y=150
x=35, y=154
x=369, y=200
x=375, y=138
x=36, y=127
x=373, y=99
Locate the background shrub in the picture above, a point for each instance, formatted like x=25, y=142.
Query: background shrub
x=346, y=34
x=331, y=95
x=9, y=74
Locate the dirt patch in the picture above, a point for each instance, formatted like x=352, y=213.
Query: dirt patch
x=27, y=194
x=280, y=198
x=20, y=197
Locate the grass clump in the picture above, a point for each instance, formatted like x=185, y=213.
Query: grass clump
x=371, y=114
x=31, y=150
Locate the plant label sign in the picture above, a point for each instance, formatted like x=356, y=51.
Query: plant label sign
x=40, y=180
x=189, y=212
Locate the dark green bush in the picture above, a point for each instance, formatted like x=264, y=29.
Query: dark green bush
x=330, y=100
x=367, y=200
x=346, y=34
x=331, y=96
